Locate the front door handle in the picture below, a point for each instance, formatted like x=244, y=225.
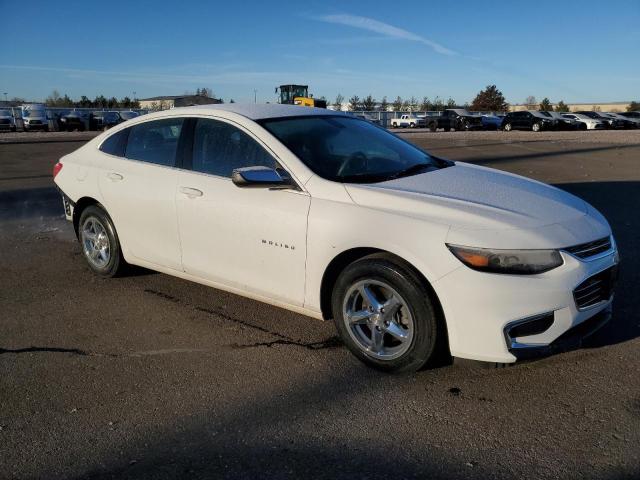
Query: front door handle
x=114, y=176
x=191, y=192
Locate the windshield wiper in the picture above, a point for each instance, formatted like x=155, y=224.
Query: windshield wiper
x=413, y=170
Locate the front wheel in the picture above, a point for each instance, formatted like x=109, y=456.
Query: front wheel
x=384, y=315
x=535, y=127
x=433, y=127
x=507, y=127
x=99, y=241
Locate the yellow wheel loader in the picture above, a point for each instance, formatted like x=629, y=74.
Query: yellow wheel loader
x=299, y=95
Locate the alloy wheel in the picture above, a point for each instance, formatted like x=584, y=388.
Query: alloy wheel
x=95, y=242
x=378, y=319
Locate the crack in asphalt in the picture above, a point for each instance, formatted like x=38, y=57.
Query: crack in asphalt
x=75, y=351
x=332, y=342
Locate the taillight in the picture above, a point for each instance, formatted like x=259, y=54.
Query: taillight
x=56, y=169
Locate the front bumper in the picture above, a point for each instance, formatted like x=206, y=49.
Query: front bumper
x=481, y=307
x=570, y=340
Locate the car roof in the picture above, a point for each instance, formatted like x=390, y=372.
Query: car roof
x=260, y=111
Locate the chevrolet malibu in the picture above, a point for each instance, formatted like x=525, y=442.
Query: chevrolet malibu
x=325, y=214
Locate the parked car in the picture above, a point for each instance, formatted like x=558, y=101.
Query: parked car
x=34, y=117
x=325, y=214
x=455, y=119
x=75, y=120
x=127, y=115
x=627, y=123
x=590, y=123
x=564, y=123
x=96, y=120
x=608, y=122
x=630, y=114
x=528, y=120
x=369, y=118
x=7, y=120
x=407, y=121
x=491, y=121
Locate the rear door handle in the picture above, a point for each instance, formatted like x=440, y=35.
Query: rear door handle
x=114, y=176
x=191, y=192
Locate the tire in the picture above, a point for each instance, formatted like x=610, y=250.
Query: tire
x=536, y=127
x=46, y=129
x=583, y=126
x=407, y=337
x=433, y=127
x=507, y=127
x=99, y=242
x=412, y=125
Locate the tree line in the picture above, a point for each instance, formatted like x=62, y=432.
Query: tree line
x=490, y=99
x=369, y=103
x=100, y=101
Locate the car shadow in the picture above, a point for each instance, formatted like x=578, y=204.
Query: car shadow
x=619, y=202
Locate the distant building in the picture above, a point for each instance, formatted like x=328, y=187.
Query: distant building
x=170, y=101
x=574, y=107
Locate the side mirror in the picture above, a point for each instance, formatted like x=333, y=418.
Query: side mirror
x=260, y=177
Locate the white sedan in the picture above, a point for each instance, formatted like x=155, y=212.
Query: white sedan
x=591, y=123
x=331, y=216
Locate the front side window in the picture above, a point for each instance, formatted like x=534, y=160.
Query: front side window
x=155, y=142
x=347, y=149
x=219, y=148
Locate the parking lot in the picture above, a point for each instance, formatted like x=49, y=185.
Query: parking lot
x=153, y=376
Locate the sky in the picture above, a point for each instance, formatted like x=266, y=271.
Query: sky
x=577, y=51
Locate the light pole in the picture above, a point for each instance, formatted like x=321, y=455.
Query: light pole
x=5, y=97
x=255, y=96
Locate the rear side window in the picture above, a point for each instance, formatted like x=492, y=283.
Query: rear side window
x=219, y=148
x=116, y=143
x=155, y=142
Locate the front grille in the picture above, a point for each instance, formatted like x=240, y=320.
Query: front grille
x=589, y=249
x=35, y=122
x=596, y=289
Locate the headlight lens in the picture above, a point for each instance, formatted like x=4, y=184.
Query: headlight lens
x=514, y=262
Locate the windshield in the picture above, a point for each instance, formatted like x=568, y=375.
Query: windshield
x=33, y=112
x=347, y=149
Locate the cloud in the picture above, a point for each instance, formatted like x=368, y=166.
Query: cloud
x=365, y=23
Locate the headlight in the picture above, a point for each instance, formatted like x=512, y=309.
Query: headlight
x=514, y=262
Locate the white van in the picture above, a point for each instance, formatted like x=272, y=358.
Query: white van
x=34, y=117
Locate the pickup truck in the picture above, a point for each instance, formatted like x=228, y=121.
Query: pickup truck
x=455, y=118
x=407, y=121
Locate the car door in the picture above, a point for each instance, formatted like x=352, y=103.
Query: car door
x=138, y=179
x=250, y=239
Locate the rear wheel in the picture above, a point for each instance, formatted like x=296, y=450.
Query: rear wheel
x=384, y=315
x=433, y=127
x=583, y=126
x=412, y=125
x=508, y=127
x=99, y=241
x=535, y=127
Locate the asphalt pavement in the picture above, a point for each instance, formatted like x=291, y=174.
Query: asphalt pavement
x=150, y=376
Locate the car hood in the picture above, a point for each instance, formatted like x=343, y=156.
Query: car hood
x=487, y=207
x=472, y=197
